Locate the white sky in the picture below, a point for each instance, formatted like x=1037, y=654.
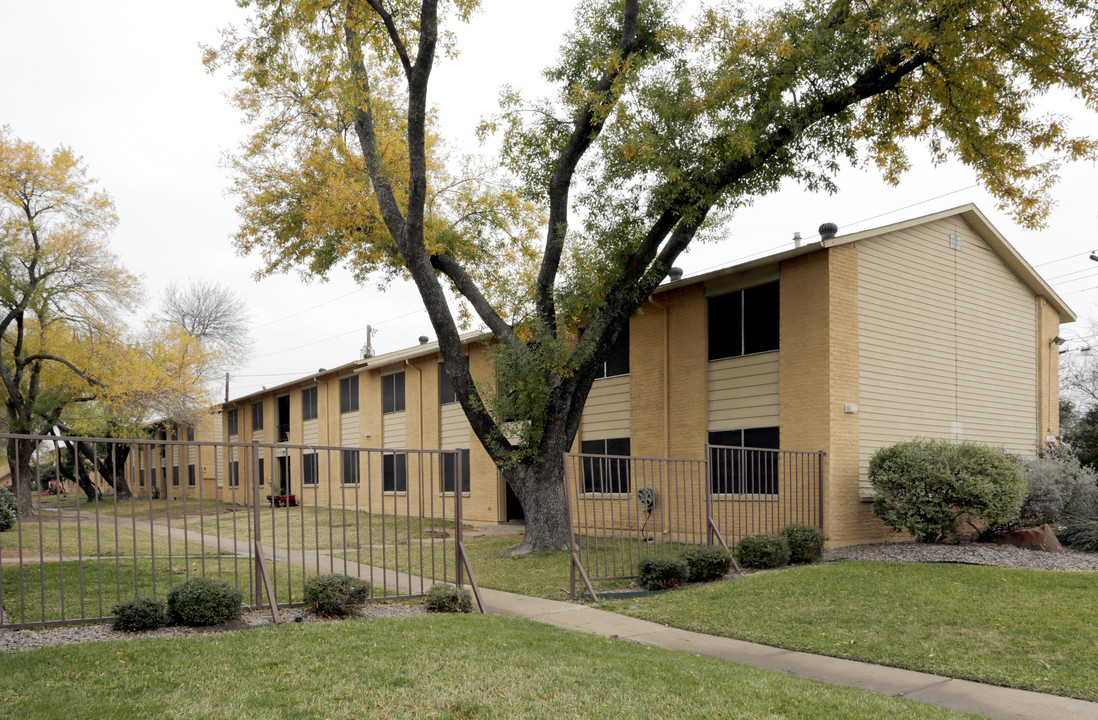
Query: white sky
x=122, y=83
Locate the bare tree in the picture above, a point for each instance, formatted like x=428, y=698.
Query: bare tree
x=212, y=313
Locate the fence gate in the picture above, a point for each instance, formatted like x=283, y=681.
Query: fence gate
x=116, y=519
x=622, y=510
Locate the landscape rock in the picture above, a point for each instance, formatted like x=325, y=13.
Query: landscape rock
x=1042, y=538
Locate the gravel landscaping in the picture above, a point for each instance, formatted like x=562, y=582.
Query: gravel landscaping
x=18, y=640
x=967, y=553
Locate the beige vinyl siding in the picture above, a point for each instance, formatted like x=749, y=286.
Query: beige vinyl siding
x=964, y=366
x=257, y=435
x=743, y=392
x=453, y=427
x=393, y=427
x=310, y=432
x=606, y=414
x=348, y=428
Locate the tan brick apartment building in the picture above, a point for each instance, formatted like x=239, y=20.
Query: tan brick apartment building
x=934, y=327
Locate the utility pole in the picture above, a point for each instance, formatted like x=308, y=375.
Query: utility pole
x=226, y=387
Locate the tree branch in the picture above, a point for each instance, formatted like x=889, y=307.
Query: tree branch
x=394, y=36
x=469, y=290
x=585, y=130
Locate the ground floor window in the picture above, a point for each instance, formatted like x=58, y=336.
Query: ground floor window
x=261, y=471
x=609, y=474
x=744, y=462
x=234, y=473
x=394, y=472
x=190, y=475
x=449, y=470
x=310, y=469
x=175, y=476
x=350, y=467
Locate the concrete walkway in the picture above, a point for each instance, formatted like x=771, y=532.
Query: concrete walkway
x=988, y=700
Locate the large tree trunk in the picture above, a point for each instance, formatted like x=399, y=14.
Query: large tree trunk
x=20, y=453
x=540, y=490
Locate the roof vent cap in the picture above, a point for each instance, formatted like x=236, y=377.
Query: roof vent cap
x=828, y=231
x=422, y=339
x=797, y=239
x=675, y=275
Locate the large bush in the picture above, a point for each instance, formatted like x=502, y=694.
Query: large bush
x=926, y=486
x=139, y=614
x=448, y=599
x=806, y=543
x=1056, y=483
x=8, y=516
x=1081, y=526
x=661, y=573
x=762, y=552
x=705, y=564
x=335, y=595
x=204, y=601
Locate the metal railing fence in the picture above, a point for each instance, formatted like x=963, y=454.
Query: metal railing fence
x=119, y=519
x=624, y=509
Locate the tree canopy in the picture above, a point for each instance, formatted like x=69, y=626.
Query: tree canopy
x=660, y=128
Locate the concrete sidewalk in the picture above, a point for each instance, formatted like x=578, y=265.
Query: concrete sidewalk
x=990, y=700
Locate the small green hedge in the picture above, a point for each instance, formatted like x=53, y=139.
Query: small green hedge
x=762, y=552
x=705, y=564
x=139, y=614
x=335, y=595
x=806, y=543
x=661, y=573
x=8, y=515
x=448, y=599
x=204, y=601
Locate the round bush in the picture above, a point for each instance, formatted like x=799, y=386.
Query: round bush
x=763, y=552
x=8, y=515
x=1056, y=483
x=446, y=598
x=139, y=614
x=806, y=543
x=661, y=573
x=706, y=564
x=925, y=486
x=335, y=595
x=204, y=601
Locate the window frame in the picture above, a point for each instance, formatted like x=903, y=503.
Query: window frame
x=753, y=335
x=350, y=472
x=234, y=473
x=618, y=351
x=310, y=462
x=754, y=475
x=191, y=478
x=391, y=401
x=609, y=477
x=233, y=421
x=446, y=472
x=309, y=403
x=257, y=415
x=446, y=392
x=394, y=473
x=348, y=394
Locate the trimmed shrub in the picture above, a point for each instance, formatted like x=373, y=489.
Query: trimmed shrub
x=204, y=601
x=335, y=595
x=925, y=486
x=806, y=543
x=8, y=515
x=661, y=573
x=1056, y=483
x=139, y=614
x=763, y=552
x=448, y=599
x=706, y=564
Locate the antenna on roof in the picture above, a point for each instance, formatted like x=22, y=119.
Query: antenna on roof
x=368, y=348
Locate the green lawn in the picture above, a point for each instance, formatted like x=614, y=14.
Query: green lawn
x=1021, y=628
x=49, y=536
x=123, y=579
x=423, y=666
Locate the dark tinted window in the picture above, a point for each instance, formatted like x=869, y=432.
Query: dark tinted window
x=737, y=468
x=726, y=326
x=190, y=475
x=234, y=427
x=617, y=362
x=392, y=393
x=606, y=475
x=310, y=469
x=350, y=467
x=257, y=416
x=234, y=473
x=448, y=471
x=175, y=476
x=348, y=394
x=262, y=474
x=744, y=322
x=446, y=393
x=308, y=404
x=394, y=472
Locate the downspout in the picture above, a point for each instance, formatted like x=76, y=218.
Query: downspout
x=666, y=349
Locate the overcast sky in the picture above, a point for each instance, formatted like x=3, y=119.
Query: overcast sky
x=122, y=83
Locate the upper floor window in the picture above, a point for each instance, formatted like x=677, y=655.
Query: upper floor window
x=234, y=426
x=190, y=433
x=308, y=403
x=617, y=362
x=744, y=322
x=257, y=416
x=392, y=393
x=348, y=394
x=446, y=392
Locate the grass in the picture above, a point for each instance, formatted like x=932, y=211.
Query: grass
x=1020, y=628
x=123, y=579
x=141, y=508
x=423, y=666
x=69, y=538
x=312, y=528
